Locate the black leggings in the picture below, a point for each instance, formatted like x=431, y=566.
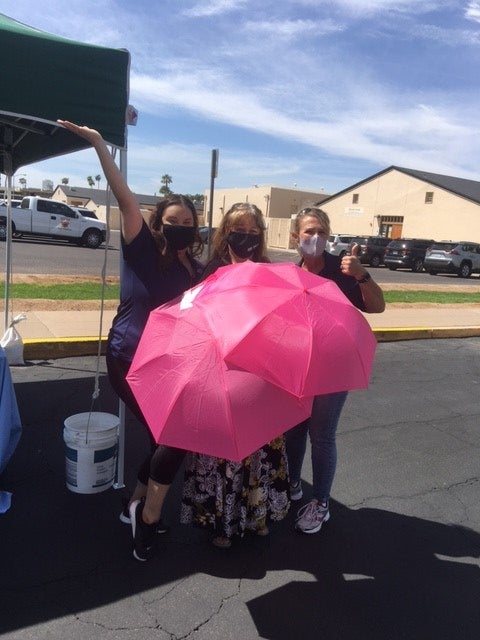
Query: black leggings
x=163, y=462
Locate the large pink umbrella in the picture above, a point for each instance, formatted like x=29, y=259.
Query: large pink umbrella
x=284, y=324
x=192, y=400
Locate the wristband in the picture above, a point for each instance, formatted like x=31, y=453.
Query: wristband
x=365, y=278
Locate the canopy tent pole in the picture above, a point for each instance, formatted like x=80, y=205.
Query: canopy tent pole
x=8, y=254
x=120, y=475
x=7, y=162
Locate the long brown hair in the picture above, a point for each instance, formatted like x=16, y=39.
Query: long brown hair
x=155, y=224
x=237, y=212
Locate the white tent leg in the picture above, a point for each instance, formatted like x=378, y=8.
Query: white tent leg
x=120, y=477
x=8, y=247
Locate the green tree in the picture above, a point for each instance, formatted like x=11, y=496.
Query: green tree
x=97, y=180
x=90, y=181
x=166, y=181
x=196, y=198
x=65, y=180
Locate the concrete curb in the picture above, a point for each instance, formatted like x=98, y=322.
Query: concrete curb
x=51, y=348
x=393, y=334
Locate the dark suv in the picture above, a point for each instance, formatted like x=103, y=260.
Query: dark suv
x=406, y=253
x=372, y=249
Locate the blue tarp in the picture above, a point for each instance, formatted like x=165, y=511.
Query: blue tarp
x=10, y=425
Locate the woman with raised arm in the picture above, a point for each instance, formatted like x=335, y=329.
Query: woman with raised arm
x=158, y=265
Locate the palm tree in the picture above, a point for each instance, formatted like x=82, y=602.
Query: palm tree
x=65, y=180
x=166, y=180
x=90, y=181
x=97, y=180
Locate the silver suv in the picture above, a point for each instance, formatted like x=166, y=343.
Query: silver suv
x=462, y=258
x=339, y=244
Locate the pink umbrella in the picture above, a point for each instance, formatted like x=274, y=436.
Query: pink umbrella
x=192, y=400
x=286, y=325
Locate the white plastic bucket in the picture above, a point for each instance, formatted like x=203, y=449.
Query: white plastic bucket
x=91, y=445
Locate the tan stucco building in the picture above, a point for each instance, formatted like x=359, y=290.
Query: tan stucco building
x=396, y=202
x=399, y=202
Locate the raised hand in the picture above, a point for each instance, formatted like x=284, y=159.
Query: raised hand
x=351, y=265
x=131, y=216
x=91, y=135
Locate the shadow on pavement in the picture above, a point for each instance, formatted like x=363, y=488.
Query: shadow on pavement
x=376, y=575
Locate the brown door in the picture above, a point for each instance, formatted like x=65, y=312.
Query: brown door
x=396, y=231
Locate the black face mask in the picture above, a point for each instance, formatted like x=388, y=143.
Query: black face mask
x=178, y=237
x=243, y=245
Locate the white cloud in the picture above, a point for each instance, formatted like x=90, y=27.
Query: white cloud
x=472, y=11
x=376, y=126
x=189, y=166
x=447, y=36
x=370, y=7
x=214, y=7
x=292, y=28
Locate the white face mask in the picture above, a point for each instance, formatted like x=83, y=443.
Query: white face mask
x=313, y=247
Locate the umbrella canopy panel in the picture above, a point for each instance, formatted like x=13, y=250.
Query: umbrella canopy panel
x=45, y=77
x=288, y=326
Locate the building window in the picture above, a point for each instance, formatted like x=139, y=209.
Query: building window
x=355, y=198
x=391, y=219
x=429, y=197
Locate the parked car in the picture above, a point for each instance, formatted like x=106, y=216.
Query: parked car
x=462, y=258
x=339, y=244
x=406, y=253
x=86, y=213
x=372, y=249
x=14, y=203
x=45, y=217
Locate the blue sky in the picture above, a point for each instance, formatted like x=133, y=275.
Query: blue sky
x=314, y=93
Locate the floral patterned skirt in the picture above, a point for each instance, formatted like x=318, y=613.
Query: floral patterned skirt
x=232, y=497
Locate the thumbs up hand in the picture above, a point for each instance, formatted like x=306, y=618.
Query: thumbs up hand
x=355, y=250
x=351, y=265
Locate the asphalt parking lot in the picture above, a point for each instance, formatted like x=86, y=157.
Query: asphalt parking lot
x=399, y=558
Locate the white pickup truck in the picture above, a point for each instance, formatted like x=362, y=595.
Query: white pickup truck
x=43, y=217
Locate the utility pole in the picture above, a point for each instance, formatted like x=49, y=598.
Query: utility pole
x=213, y=175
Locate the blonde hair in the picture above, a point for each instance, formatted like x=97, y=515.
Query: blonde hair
x=237, y=212
x=315, y=212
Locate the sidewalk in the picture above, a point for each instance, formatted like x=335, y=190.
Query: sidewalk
x=62, y=333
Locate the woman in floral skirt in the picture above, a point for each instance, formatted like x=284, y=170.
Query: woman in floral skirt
x=230, y=497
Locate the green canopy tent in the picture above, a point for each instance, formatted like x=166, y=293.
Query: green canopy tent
x=44, y=77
